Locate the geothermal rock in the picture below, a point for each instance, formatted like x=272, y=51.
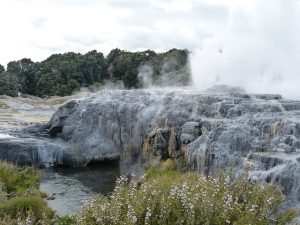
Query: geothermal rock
x=210, y=131
x=37, y=152
x=202, y=131
x=161, y=144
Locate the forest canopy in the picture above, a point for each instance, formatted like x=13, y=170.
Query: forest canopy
x=62, y=74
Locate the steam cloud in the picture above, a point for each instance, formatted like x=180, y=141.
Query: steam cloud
x=145, y=76
x=168, y=75
x=259, y=50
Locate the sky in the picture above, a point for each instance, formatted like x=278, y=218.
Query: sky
x=259, y=50
x=38, y=28
x=249, y=43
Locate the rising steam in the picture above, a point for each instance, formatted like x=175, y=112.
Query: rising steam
x=259, y=50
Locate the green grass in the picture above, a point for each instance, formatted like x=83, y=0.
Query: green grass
x=65, y=220
x=19, y=207
x=20, y=198
x=18, y=180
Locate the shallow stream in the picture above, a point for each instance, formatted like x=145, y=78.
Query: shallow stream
x=71, y=186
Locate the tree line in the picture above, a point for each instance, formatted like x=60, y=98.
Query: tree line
x=62, y=74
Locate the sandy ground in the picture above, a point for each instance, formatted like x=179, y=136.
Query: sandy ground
x=16, y=112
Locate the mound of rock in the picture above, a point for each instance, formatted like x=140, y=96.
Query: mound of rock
x=203, y=132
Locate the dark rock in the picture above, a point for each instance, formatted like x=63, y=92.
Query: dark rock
x=268, y=96
x=38, y=152
x=161, y=144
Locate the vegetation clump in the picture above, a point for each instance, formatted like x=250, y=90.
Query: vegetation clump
x=170, y=197
x=161, y=197
x=21, y=202
x=62, y=74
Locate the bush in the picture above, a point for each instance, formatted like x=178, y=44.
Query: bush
x=169, y=197
x=21, y=207
x=2, y=193
x=65, y=220
x=16, y=179
x=21, y=201
x=29, y=220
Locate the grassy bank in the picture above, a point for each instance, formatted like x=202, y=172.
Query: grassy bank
x=21, y=202
x=163, y=196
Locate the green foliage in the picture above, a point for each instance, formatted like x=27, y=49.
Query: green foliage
x=172, y=68
x=20, y=200
x=162, y=196
x=73, y=85
x=165, y=67
x=48, y=83
x=95, y=87
x=19, y=207
x=62, y=74
x=24, y=70
x=169, y=197
x=65, y=220
x=2, y=69
x=8, y=84
x=18, y=180
x=3, y=194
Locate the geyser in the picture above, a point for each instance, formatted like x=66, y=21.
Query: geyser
x=258, y=50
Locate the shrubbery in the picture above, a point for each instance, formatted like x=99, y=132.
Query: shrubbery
x=18, y=180
x=169, y=197
x=161, y=197
x=21, y=201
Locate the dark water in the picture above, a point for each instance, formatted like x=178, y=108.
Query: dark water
x=71, y=186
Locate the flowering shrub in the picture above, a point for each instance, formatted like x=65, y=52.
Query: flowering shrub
x=169, y=197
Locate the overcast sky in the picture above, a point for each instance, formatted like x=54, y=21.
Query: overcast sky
x=39, y=28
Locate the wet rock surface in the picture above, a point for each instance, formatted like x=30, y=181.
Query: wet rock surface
x=24, y=137
x=203, y=132
x=37, y=151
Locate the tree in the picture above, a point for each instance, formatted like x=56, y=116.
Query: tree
x=61, y=74
x=68, y=72
x=172, y=68
x=24, y=69
x=113, y=55
x=92, y=66
x=8, y=84
x=124, y=65
x=168, y=68
x=46, y=85
x=72, y=86
x=2, y=69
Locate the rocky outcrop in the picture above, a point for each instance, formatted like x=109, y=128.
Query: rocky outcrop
x=161, y=144
x=164, y=143
x=37, y=152
x=204, y=132
x=210, y=131
x=33, y=146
